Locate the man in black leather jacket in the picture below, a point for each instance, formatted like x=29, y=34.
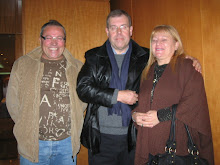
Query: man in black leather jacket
x=109, y=82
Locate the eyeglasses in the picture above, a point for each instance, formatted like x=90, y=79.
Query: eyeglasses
x=114, y=28
x=50, y=38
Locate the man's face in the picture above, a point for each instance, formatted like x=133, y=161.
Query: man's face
x=53, y=43
x=119, y=33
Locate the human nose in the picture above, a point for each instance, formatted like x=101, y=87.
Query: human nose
x=158, y=42
x=54, y=40
x=119, y=30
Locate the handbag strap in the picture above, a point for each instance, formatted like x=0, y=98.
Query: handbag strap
x=171, y=143
x=192, y=149
x=172, y=128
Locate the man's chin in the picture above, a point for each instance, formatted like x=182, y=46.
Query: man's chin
x=52, y=57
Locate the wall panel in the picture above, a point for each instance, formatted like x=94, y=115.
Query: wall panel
x=7, y=16
x=210, y=16
x=10, y=23
x=18, y=46
x=181, y=14
x=122, y=4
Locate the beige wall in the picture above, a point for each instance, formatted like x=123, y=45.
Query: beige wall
x=84, y=21
x=198, y=23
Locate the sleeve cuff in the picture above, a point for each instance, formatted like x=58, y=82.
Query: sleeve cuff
x=164, y=114
x=115, y=96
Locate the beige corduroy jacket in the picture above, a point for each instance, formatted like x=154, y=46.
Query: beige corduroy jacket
x=23, y=101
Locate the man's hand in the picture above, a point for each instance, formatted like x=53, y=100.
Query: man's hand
x=127, y=97
x=196, y=63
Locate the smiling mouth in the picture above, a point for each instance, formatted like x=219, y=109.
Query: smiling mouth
x=53, y=48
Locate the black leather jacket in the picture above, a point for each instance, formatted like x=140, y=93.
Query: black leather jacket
x=93, y=88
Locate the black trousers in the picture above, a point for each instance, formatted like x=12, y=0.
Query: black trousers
x=113, y=151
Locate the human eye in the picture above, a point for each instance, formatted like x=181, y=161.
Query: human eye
x=113, y=28
x=164, y=40
x=60, y=38
x=48, y=38
x=123, y=27
x=154, y=40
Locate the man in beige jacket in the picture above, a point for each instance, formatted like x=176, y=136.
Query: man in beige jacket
x=43, y=103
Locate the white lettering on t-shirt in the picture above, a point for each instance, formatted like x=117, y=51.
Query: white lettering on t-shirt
x=45, y=100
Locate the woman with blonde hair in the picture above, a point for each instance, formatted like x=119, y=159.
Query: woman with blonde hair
x=170, y=79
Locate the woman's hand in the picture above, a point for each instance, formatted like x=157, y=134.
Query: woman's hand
x=151, y=119
x=148, y=119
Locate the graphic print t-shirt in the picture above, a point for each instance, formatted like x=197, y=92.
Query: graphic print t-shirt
x=54, y=122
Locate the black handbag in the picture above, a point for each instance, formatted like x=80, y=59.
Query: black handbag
x=170, y=157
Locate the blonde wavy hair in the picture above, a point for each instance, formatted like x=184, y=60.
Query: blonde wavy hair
x=179, y=52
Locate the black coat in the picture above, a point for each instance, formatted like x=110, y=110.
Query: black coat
x=93, y=87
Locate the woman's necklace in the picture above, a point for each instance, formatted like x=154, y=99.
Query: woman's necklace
x=158, y=71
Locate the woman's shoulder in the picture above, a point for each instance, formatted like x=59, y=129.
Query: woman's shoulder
x=184, y=63
x=186, y=69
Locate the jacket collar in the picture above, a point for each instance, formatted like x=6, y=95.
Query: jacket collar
x=136, y=50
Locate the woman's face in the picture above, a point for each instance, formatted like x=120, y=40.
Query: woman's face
x=163, y=47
